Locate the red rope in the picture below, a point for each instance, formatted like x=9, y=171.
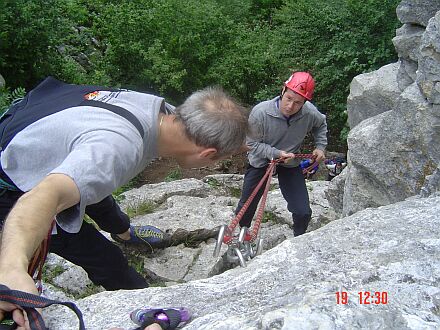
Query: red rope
x=227, y=239
x=39, y=257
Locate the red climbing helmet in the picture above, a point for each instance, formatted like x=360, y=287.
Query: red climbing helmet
x=301, y=83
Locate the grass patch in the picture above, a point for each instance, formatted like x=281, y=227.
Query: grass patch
x=269, y=217
x=213, y=183
x=133, y=183
x=137, y=262
x=173, y=175
x=49, y=274
x=235, y=192
x=90, y=289
x=145, y=207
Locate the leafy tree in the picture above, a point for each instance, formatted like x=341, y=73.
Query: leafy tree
x=336, y=42
x=30, y=30
x=167, y=46
x=174, y=47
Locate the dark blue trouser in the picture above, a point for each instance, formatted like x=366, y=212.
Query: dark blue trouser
x=293, y=188
x=103, y=261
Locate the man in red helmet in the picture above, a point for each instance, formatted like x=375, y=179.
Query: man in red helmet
x=279, y=127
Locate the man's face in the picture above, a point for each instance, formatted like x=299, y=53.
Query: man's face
x=291, y=103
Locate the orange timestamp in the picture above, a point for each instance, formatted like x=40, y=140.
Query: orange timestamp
x=364, y=297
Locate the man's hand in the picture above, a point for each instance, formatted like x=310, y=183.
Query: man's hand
x=319, y=155
x=25, y=227
x=16, y=280
x=286, y=156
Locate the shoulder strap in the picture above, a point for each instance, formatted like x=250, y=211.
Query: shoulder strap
x=119, y=111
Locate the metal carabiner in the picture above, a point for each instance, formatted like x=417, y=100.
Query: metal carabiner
x=220, y=237
x=256, y=247
x=233, y=254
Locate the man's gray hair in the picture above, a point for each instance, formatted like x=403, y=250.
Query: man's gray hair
x=213, y=119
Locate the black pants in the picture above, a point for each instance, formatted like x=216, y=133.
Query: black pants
x=293, y=188
x=103, y=261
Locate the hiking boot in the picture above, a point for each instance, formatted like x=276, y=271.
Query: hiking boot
x=151, y=236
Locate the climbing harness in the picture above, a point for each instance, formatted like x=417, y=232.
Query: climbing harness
x=248, y=244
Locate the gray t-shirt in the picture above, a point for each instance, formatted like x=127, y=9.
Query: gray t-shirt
x=98, y=149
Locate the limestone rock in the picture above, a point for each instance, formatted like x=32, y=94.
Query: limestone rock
x=428, y=75
x=372, y=93
x=417, y=12
x=391, y=250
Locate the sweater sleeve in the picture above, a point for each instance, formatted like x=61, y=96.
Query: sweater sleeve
x=255, y=139
x=319, y=131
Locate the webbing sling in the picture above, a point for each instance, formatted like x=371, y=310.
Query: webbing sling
x=29, y=302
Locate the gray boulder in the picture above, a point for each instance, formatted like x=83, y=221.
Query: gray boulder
x=391, y=155
x=391, y=250
x=417, y=12
x=372, y=93
x=407, y=43
x=396, y=154
x=428, y=74
x=335, y=192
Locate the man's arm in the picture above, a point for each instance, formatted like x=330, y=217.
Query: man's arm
x=255, y=138
x=319, y=133
x=27, y=225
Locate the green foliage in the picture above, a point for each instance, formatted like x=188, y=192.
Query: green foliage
x=7, y=97
x=175, y=174
x=133, y=183
x=214, y=183
x=337, y=41
x=269, y=217
x=235, y=192
x=144, y=207
x=174, y=47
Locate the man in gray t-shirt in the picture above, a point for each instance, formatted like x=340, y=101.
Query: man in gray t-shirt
x=67, y=163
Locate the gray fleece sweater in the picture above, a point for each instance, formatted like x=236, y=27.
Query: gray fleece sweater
x=273, y=133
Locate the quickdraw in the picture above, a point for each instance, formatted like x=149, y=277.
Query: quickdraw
x=248, y=244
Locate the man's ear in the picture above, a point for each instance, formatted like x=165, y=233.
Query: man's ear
x=209, y=153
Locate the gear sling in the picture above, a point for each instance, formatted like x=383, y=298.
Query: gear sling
x=49, y=97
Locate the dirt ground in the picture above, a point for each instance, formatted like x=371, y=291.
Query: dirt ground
x=161, y=170
x=167, y=169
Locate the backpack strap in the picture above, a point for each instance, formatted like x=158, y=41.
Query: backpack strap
x=119, y=111
x=29, y=303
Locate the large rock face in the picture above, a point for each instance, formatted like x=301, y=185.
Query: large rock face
x=392, y=250
x=382, y=90
x=393, y=150
x=191, y=211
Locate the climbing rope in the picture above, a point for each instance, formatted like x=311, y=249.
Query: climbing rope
x=248, y=244
x=35, y=268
